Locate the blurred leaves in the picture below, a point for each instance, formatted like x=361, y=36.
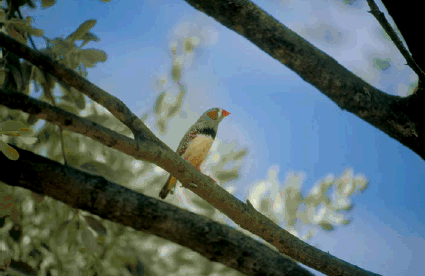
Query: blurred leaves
x=15, y=129
x=166, y=107
x=325, y=206
x=81, y=31
x=47, y=3
x=88, y=240
x=22, y=27
x=95, y=225
x=381, y=64
x=6, y=204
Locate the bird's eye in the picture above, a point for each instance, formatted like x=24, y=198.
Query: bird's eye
x=213, y=114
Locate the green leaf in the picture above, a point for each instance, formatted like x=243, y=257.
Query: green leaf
x=81, y=30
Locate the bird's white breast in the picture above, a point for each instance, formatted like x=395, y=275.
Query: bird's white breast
x=197, y=149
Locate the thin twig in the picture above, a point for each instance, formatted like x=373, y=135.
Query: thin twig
x=49, y=93
x=380, y=17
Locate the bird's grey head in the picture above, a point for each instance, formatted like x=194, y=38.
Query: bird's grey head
x=212, y=117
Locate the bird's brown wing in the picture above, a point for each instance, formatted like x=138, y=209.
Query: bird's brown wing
x=196, y=152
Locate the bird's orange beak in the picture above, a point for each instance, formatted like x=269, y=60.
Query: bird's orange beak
x=225, y=113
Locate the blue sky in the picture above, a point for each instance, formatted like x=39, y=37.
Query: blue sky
x=280, y=118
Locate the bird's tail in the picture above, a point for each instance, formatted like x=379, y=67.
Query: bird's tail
x=171, y=182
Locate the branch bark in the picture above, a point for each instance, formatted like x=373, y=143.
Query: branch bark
x=95, y=194
x=400, y=118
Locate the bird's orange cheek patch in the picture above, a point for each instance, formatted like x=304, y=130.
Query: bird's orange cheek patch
x=213, y=115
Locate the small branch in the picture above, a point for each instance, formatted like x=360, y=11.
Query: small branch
x=95, y=194
x=407, y=18
x=380, y=17
x=161, y=155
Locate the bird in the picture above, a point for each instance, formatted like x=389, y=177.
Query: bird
x=196, y=142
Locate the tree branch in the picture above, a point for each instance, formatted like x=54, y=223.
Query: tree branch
x=400, y=118
x=95, y=194
x=159, y=154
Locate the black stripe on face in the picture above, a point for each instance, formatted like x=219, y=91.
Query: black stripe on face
x=208, y=131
